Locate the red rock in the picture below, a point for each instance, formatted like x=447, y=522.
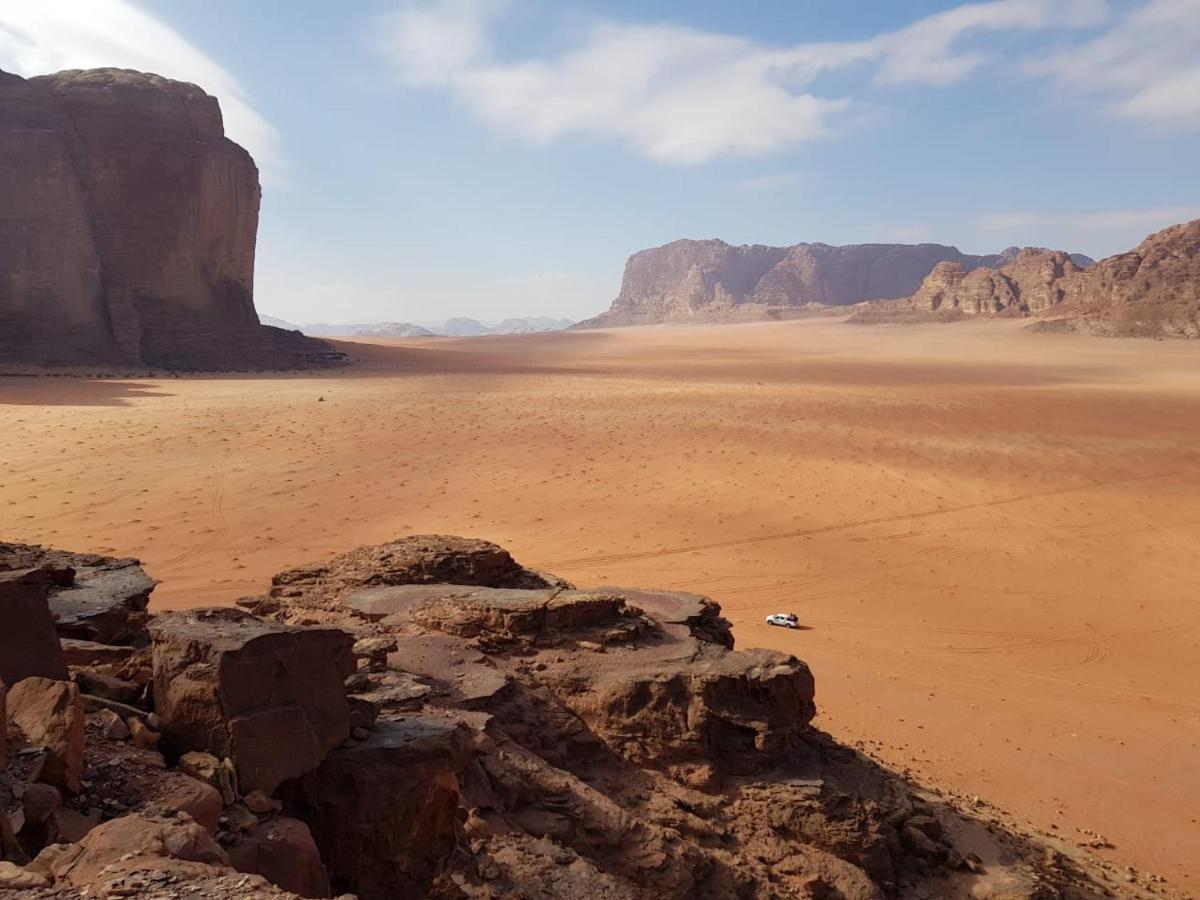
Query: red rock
x=207, y=768
x=28, y=642
x=713, y=281
x=385, y=811
x=97, y=684
x=318, y=593
x=50, y=713
x=129, y=843
x=129, y=228
x=269, y=697
x=283, y=851
x=1152, y=291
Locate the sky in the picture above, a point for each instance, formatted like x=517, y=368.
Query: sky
x=491, y=158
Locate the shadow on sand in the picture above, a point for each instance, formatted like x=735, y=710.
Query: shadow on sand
x=71, y=391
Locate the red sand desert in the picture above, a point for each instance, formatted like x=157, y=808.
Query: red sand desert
x=992, y=536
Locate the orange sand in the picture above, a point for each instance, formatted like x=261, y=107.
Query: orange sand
x=994, y=536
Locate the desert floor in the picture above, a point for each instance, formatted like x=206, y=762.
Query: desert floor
x=993, y=537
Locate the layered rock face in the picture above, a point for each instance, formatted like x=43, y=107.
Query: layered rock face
x=128, y=228
x=460, y=726
x=1153, y=291
x=1030, y=282
x=713, y=281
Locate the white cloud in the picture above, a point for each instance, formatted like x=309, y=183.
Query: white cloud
x=1145, y=67
x=427, y=45
x=38, y=37
x=678, y=95
x=925, y=52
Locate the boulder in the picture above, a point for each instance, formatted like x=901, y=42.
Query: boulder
x=16, y=878
x=106, y=604
x=385, y=811
x=217, y=773
x=283, y=851
x=131, y=843
x=28, y=642
x=98, y=684
x=91, y=653
x=176, y=791
x=737, y=713
x=269, y=697
x=51, y=714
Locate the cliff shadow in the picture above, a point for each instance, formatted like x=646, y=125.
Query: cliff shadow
x=66, y=390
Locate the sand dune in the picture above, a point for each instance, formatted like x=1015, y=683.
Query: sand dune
x=992, y=536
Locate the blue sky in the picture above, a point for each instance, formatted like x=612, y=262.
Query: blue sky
x=426, y=158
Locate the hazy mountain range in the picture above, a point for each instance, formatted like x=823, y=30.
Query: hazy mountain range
x=458, y=326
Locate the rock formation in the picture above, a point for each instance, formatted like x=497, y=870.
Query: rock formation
x=1029, y=282
x=128, y=228
x=1153, y=291
x=446, y=723
x=713, y=281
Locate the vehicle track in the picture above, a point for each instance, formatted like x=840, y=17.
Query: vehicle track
x=615, y=558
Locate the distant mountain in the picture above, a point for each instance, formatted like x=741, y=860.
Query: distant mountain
x=531, y=325
x=460, y=326
x=713, y=281
x=394, y=329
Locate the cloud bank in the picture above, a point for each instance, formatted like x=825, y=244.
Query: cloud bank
x=681, y=96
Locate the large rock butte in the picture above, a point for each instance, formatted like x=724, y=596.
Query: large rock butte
x=711, y=281
x=128, y=228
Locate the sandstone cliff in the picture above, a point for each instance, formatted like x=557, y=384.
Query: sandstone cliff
x=429, y=718
x=713, y=281
x=128, y=228
x=1029, y=282
x=1153, y=291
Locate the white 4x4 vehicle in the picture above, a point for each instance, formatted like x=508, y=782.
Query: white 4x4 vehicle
x=783, y=620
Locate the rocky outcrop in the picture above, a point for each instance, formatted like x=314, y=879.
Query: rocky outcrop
x=712, y=281
x=28, y=642
x=507, y=736
x=232, y=685
x=50, y=715
x=316, y=593
x=1153, y=291
x=1029, y=282
x=92, y=599
x=128, y=228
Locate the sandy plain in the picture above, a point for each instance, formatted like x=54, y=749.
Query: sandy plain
x=992, y=537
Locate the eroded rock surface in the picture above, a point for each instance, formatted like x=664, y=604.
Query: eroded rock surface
x=1152, y=291
x=505, y=736
x=269, y=697
x=713, y=281
x=129, y=228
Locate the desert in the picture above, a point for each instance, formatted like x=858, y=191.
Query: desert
x=988, y=535
x=366, y=532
